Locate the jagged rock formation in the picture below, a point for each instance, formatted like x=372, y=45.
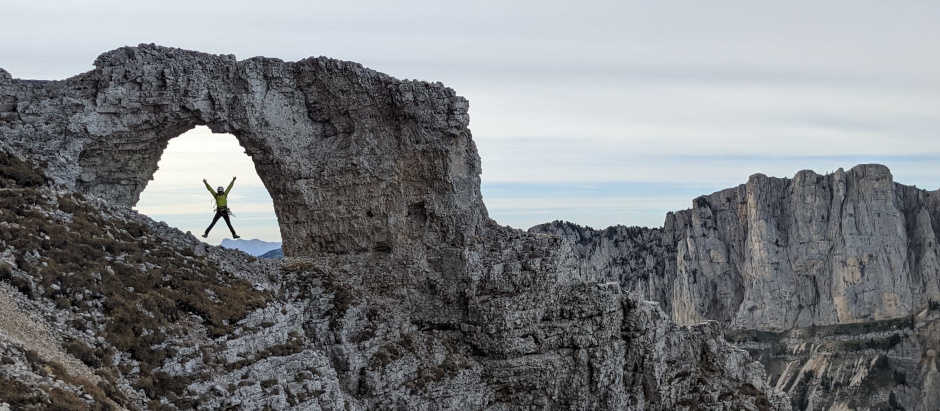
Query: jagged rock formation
x=788, y=256
x=397, y=291
x=166, y=321
x=781, y=253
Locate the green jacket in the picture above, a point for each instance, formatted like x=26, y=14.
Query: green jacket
x=221, y=200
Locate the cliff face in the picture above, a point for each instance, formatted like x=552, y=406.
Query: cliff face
x=397, y=292
x=777, y=253
x=885, y=364
x=815, y=250
x=788, y=256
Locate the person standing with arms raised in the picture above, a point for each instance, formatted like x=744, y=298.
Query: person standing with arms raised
x=221, y=206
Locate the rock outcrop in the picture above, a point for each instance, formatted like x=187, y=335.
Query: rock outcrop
x=787, y=256
x=778, y=253
x=354, y=160
x=396, y=292
x=886, y=364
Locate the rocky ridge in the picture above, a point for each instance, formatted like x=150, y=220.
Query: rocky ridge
x=328, y=331
x=397, y=291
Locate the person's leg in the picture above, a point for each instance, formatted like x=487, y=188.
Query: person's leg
x=229, y=223
x=214, y=219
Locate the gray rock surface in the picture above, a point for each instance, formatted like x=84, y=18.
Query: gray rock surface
x=886, y=364
x=396, y=292
x=776, y=255
x=353, y=159
x=334, y=333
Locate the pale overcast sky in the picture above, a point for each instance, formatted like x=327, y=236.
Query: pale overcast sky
x=597, y=112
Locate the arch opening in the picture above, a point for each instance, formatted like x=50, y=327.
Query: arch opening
x=355, y=161
x=176, y=194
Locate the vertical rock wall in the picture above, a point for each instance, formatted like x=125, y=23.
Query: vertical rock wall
x=831, y=281
x=775, y=253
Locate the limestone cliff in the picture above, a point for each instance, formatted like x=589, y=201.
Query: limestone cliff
x=885, y=364
x=787, y=256
x=396, y=292
x=781, y=253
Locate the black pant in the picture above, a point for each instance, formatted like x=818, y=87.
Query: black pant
x=221, y=212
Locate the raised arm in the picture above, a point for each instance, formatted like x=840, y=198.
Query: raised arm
x=230, y=186
x=208, y=187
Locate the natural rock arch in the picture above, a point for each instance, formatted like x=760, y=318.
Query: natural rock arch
x=355, y=160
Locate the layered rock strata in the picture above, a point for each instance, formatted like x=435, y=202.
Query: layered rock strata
x=886, y=364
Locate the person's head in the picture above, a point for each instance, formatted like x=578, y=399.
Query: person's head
x=220, y=190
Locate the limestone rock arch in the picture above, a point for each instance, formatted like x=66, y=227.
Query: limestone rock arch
x=359, y=162
x=354, y=160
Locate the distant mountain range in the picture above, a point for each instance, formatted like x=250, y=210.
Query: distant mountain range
x=277, y=253
x=254, y=247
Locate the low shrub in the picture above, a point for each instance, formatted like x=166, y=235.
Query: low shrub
x=143, y=285
x=15, y=172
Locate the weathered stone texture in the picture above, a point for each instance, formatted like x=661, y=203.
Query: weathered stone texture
x=848, y=249
x=776, y=253
x=397, y=291
x=355, y=160
x=886, y=364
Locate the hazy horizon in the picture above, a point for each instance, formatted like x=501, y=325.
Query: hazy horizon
x=177, y=196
